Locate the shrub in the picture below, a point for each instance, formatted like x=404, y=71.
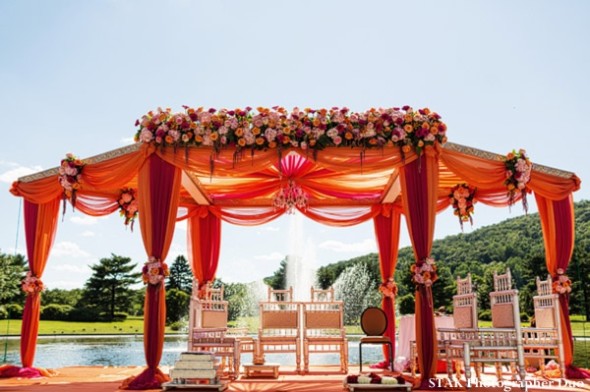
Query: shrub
x=120, y=316
x=485, y=315
x=15, y=311
x=3, y=313
x=83, y=314
x=406, y=304
x=177, y=325
x=56, y=312
x=524, y=317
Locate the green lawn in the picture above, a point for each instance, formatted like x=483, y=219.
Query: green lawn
x=133, y=325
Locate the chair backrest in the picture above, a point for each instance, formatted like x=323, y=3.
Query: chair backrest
x=503, y=282
x=208, y=292
x=323, y=319
x=465, y=304
x=546, y=305
x=320, y=295
x=279, y=318
x=280, y=295
x=373, y=321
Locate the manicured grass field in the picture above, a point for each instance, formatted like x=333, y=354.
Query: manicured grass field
x=132, y=325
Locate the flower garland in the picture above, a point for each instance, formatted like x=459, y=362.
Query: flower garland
x=424, y=272
x=154, y=271
x=462, y=199
x=518, y=174
x=32, y=284
x=306, y=129
x=562, y=283
x=128, y=206
x=70, y=175
x=373, y=378
x=388, y=288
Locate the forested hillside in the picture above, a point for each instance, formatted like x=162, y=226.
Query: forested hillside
x=516, y=243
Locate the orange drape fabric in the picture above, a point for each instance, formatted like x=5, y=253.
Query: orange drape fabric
x=557, y=221
x=40, y=228
x=158, y=197
x=204, y=243
x=387, y=226
x=419, y=183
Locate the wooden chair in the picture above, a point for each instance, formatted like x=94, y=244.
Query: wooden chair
x=374, y=324
x=323, y=331
x=319, y=295
x=501, y=344
x=465, y=320
x=280, y=295
x=279, y=329
x=544, y=340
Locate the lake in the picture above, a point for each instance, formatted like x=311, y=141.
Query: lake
x=56, y=352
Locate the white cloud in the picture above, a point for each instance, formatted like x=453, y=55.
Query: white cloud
x=85, y=220
x=19, y=171
x=71, y=268
x=63, y=284
x=268, y=228
x=274, y=256
x=67, y=248
x=87, y=233
x=367, y=245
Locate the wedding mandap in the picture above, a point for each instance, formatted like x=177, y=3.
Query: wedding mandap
x=250, y=166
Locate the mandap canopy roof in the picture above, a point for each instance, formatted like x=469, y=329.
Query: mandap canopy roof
x=343, y=167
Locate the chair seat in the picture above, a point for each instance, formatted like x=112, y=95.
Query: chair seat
x=375, y=339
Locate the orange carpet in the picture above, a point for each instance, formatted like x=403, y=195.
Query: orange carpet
x=108, y=379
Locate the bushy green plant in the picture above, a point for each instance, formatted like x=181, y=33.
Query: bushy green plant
x=485, y=315
x=3, y=313
x=406, y=304
x=177, y=325
x=120, y=316
x=15, y=311
x=56, y=312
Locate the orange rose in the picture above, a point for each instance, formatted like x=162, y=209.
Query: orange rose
x=272, y=144
x=256, y=131
x=169, y=139
x=199, y=138
x=214, y=136
x=348, y=136
x=420, y=143
x=434, y=130
x=406, y=148
x=241, y=142
x=239, y=132
x=408, y=128
x=260, y=141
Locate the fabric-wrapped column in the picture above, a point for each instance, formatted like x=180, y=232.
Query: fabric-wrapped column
x=159, y=187
x=419, y=184
x=204, y=242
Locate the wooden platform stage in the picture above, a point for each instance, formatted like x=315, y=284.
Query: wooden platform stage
x=320, y=379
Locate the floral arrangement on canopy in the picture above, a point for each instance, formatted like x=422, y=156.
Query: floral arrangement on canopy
x=154, y=271
x=388, y=289
x=69, y=177
x=562, y=283
x=424, y=272
x=306, y=129
x=128, y=206
x=32, y=284
x=518, y=174
x=462, y=199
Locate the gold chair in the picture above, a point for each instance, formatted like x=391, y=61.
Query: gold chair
x=544, y=340
x=323, y=331
x=374, y=324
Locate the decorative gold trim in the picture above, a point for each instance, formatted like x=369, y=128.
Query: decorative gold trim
x=497, y=157
x=54, y=171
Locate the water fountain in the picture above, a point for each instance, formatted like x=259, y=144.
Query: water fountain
x=300, y=261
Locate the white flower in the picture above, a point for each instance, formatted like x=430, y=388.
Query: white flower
x=364, y=380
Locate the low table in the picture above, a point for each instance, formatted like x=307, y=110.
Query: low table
x=268, y=370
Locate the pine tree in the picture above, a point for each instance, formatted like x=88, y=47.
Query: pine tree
x=108, y=289
x=181, y=276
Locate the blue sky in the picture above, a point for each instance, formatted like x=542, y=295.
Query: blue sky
x=75, y=76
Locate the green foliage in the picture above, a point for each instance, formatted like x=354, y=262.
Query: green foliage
x=3, y=313
x=56, y=312
x=406, y=304
x=356, y=288
x=485, y=315
x=12, y=272
x=107, y=290
x=15, y=311
x=181, y=276
x=177, y=326
x=278, y=280
x=177, y=305
x=62, y=297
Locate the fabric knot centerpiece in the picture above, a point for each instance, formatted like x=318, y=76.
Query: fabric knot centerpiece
x=462, y=196
x=128, y=206
x=562, y=283
x=518, y=175
x=290, y=197
x=424, y=272
x=388, y=288
x=70, y=174
x=154, y=271
x=32, y=284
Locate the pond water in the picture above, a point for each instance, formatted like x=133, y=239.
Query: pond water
x=57, y=352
